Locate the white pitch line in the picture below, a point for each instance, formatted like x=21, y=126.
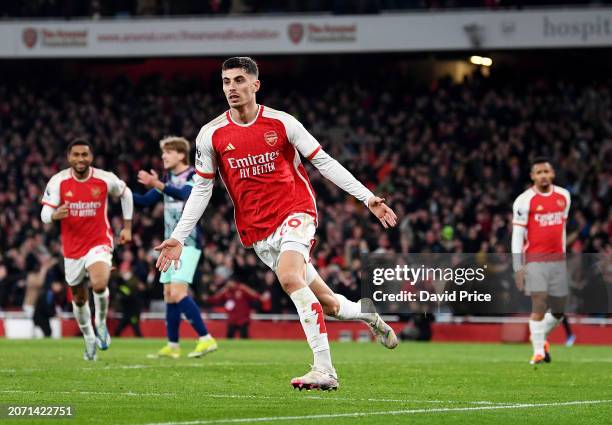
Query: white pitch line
x=384, y=413
x=372, y=400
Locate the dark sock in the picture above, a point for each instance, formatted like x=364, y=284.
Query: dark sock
x=191, y=311
x=173, y=321
x=566, y=326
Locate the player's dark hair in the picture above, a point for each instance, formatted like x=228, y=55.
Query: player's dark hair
x=539, y=160
x=79, y=142
x=244, y=62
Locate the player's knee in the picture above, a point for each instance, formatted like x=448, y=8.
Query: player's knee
x=291, y=281
x=80, y=300
x=98, y=285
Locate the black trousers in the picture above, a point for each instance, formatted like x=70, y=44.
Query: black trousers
x=132, y=320
x=41, y=319
x=243, y=329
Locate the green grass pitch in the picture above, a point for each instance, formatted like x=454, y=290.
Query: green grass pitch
x=248, y=382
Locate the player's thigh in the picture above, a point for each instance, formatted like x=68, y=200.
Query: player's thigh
x=99, y=273
x=98, y=263
x=177, y=291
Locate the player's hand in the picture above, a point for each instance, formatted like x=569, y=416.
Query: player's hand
x=519, y=278
x=385, y=214
x=125, y=236
x=170, y=252
x=148, y=179
x=61, y=212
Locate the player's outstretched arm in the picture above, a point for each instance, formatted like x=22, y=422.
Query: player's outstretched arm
x=151, y=197
x=341, y=177
x=333, y=171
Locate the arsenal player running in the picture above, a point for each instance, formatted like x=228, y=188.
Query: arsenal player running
x=77, y=198
x=538, y=247
x=257, y=152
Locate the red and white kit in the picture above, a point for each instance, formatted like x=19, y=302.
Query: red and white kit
x=539, y=235
x=86, y=233
x=259, y=163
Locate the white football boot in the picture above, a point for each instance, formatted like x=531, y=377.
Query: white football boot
x=317, y=379
x=383, y=332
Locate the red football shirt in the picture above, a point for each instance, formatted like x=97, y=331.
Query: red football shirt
x=87, y=224
x=544, y=215
x=260, y=165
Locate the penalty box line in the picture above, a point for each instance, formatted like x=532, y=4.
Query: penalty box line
x=383, y=413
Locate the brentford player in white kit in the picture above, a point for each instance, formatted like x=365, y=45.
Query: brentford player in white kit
x=77, y=197
x=538, y=250
x=257, y=150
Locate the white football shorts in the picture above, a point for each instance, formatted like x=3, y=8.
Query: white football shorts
x=296, y=233
x=76, y=268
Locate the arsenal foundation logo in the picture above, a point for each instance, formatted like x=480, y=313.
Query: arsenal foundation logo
x=296, y=32
x=29, y=37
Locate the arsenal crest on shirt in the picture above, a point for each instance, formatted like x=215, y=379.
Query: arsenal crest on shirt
x=95, y=192
x=271, y=137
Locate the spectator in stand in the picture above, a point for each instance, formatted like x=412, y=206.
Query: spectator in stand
x=238, y=300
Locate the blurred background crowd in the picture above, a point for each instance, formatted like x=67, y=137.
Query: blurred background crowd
x=449, y=157
x=129, y=8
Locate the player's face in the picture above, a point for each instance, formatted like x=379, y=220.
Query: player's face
x=171, y=158
x=80, y=158
x=542, y=175
x=239, y=87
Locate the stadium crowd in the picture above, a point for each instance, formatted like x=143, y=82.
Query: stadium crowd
x=449, y=158
x=126, y=8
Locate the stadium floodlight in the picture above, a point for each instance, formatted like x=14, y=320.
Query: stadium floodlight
x=480, y=60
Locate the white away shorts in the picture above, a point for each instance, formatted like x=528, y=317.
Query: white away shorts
x=76, y=268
